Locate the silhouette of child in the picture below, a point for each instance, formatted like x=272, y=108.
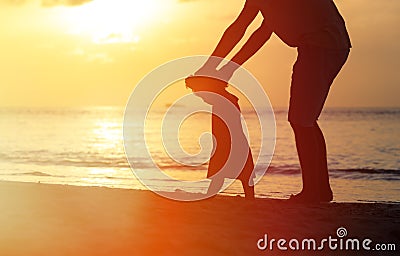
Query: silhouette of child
x=231, y=156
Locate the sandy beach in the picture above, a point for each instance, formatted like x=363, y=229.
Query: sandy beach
x=40, y=219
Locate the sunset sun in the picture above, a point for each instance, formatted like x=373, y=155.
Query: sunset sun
x=119, y=21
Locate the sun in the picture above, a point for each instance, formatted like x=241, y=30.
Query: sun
x=115, y=21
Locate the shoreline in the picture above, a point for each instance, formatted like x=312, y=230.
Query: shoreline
x=220, y=194
x=47, y=219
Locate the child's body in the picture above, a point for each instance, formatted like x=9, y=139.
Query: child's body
x=231, y=156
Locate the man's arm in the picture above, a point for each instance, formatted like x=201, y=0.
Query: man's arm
x=255, y=42
x=232, y=35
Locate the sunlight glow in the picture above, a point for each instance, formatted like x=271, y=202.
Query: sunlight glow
x=108, y=135
x=117, y=21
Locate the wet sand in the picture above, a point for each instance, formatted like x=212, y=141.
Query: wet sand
x=41, y=219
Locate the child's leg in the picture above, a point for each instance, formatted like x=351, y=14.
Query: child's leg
x=215, y=186
x=248, y=190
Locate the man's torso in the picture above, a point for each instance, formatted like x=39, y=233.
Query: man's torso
x=305, y=22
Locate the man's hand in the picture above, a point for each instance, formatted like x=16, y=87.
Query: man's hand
x=225, y=73
x=206, y=70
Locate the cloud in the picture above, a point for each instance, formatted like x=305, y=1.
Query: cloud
x=187, y=1
x=47, y=3
x=78, y=52
x=99, y=57
x=13, y=2
x=51, y=3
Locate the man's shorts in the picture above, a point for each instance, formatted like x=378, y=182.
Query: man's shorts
x=313, y=74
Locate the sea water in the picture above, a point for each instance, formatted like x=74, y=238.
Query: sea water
x=85, y=146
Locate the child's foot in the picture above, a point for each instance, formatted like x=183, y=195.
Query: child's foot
x=250, y=197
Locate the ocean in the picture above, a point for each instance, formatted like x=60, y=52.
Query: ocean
x=85, y=147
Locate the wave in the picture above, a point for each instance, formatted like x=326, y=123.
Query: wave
x=41, y=174
x=292, y=170
x=99, y=163
x=351, y=173
x=118, y=178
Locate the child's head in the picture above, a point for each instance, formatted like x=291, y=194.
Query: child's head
x=207, y=88
x=206, y=84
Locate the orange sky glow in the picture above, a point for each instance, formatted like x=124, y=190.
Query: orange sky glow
x=92, y=53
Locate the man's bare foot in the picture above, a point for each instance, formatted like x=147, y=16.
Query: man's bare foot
x=311, y=198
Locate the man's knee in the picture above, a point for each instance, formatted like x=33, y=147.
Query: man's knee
x=301, y=126
x=298, y=118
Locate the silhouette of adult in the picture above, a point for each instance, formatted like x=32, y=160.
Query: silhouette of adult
x=318, y=31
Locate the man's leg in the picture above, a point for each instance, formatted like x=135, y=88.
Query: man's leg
x=313, y=73
x=307, y=150
x=325, y=190
x=311, y=149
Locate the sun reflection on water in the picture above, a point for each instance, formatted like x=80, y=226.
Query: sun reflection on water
x=107, y=134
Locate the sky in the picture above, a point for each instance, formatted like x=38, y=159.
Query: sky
x=93, y=52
